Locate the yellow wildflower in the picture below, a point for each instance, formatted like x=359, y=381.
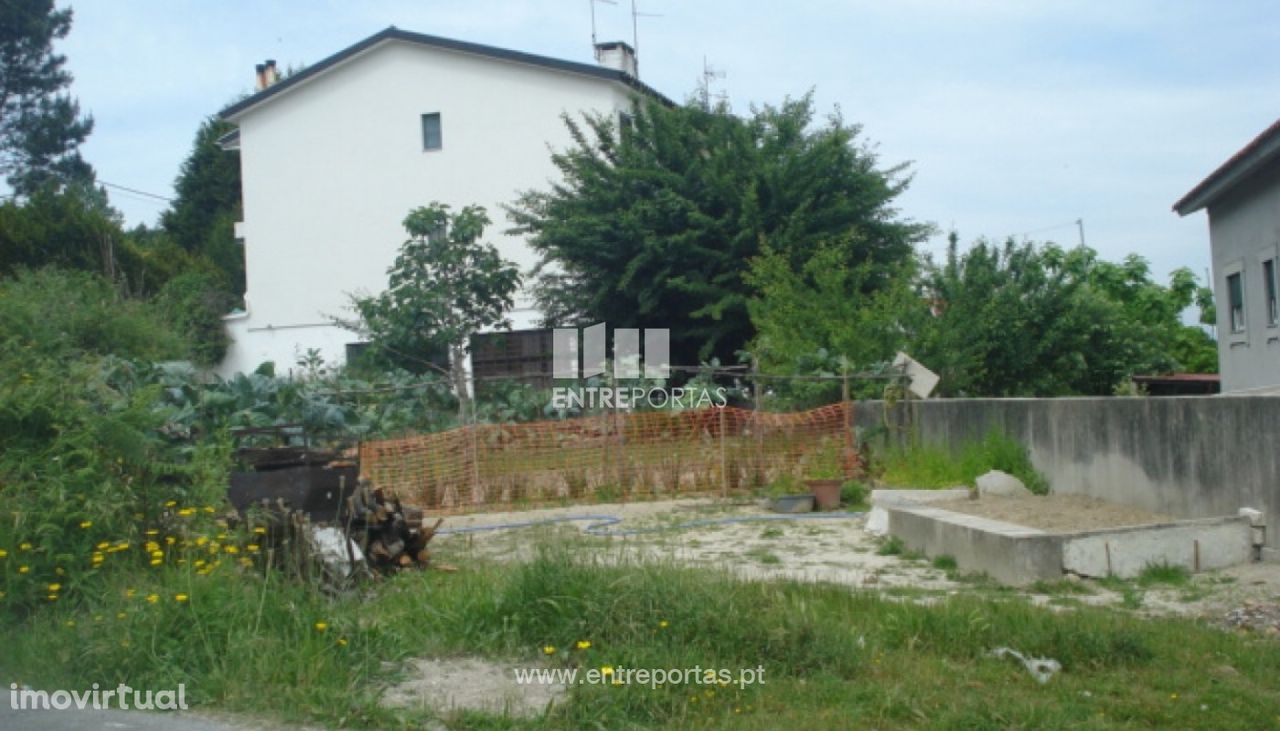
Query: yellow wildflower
x=169, y=540
x=663, y=624
x=130, y=592
x=24, y=569
x=170, y=503
x=55, y=587
x=232, y=549
x=156, y=561
x=252, y=548
x=322, y=626
x=342, y=641
x=103, y=545
x=548, y=650
x=153, y=598
x=24, y=546
x=3, y=553
x=86, y=524
x=120, y=615
x=153, y=531
x=260, y=531
x=180, y=597
x=583, y=644
x=201, y=540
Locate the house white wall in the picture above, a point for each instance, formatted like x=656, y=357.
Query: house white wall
x=331, y=166
x=1244, y=231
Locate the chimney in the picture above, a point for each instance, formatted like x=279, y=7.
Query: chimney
x=260, y=77
x=618, y=56
x=272, y=75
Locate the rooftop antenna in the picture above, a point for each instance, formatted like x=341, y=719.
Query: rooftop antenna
x=710, y=74
x=635, y=31
x=593, y=22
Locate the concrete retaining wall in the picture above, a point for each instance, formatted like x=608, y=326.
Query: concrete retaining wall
x=1190, y=457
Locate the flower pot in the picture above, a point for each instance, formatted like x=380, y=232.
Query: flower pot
x=826, y=493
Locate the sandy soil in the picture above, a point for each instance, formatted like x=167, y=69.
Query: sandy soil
x=835, y=550
x=1056, y=513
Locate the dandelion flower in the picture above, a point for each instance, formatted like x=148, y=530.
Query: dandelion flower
x=24, y=569
x=170, y=503
x=103, y=545
x=342, y=641
x=170, y=540
x=606, y=670
x=260, y=531
x=201, y=540
x=120, y=615
x=549, y=649
x=153, y=598
x=71, y=623
x=180, y=597
x=231, y=549
x=55, y=587
x=130, y=592
x=153, y=531
x=3, y=553
x=52, y=597
x=208, y=509
x=583, y=644
x=322, y=626
x=86, y=524
x=24, y=546
x=156, y=561
x=663, y=624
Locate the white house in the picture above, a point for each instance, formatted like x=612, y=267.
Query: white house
x=1242, y=198
x=334, y=157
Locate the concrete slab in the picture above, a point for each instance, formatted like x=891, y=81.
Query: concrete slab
x=1196, y=545
x=1015, y=554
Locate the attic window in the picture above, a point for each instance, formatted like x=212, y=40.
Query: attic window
x=431, y=134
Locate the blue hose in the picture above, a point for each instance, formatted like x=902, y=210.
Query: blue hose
x=599, y=524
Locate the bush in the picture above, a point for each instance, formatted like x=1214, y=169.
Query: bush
x=933, y=467
x=194, y=304
x=64, y=314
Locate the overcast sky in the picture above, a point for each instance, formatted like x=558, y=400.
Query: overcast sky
x=1016, y=116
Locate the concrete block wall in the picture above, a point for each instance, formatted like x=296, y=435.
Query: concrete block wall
x=1188, y=457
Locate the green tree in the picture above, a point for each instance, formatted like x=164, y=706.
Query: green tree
x=656, y=221
x=1028, y=320
x=41, y=126
x=829, y=316
x=444, y=286
x=207, y=205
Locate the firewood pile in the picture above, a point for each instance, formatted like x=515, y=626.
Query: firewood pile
x=389, y=534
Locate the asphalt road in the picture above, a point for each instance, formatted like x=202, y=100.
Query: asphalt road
x=89, y=720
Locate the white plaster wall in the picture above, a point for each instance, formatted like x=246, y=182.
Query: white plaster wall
x=331, y=167
x=1245, y=229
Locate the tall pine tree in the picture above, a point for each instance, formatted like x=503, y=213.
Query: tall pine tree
x=41, y=127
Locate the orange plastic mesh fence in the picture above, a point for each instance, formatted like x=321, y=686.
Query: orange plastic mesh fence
x=613, y=456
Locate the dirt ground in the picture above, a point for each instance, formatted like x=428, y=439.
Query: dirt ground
x=841, y=551
x=1056, y=513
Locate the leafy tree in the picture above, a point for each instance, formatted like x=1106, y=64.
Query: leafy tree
x=201, y=220
x=826, y=317
x=194, y=302
x=1023, y=320
x=655, y=222
x=444, y=286
x=40, y=124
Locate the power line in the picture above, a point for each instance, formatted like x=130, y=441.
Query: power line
x=135, y=191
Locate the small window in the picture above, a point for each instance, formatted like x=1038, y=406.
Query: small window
x=1269, y=285
x=1235, y=299
x=431, y=135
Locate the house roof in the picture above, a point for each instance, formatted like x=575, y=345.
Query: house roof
x=1263, y=149
x=395, y=34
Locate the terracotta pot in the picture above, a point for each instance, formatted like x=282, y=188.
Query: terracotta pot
x=826, y=493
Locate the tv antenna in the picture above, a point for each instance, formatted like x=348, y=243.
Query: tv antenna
x=592, y=3
x=635, y=31
x=709, y=75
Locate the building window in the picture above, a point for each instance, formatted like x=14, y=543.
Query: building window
x=1269, y=286
x=431, y=135
x=1235, y=300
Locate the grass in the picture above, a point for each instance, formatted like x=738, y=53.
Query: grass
x=833, y=657
x=922, y=466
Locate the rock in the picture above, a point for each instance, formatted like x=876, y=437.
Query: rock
x=1000, y=483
